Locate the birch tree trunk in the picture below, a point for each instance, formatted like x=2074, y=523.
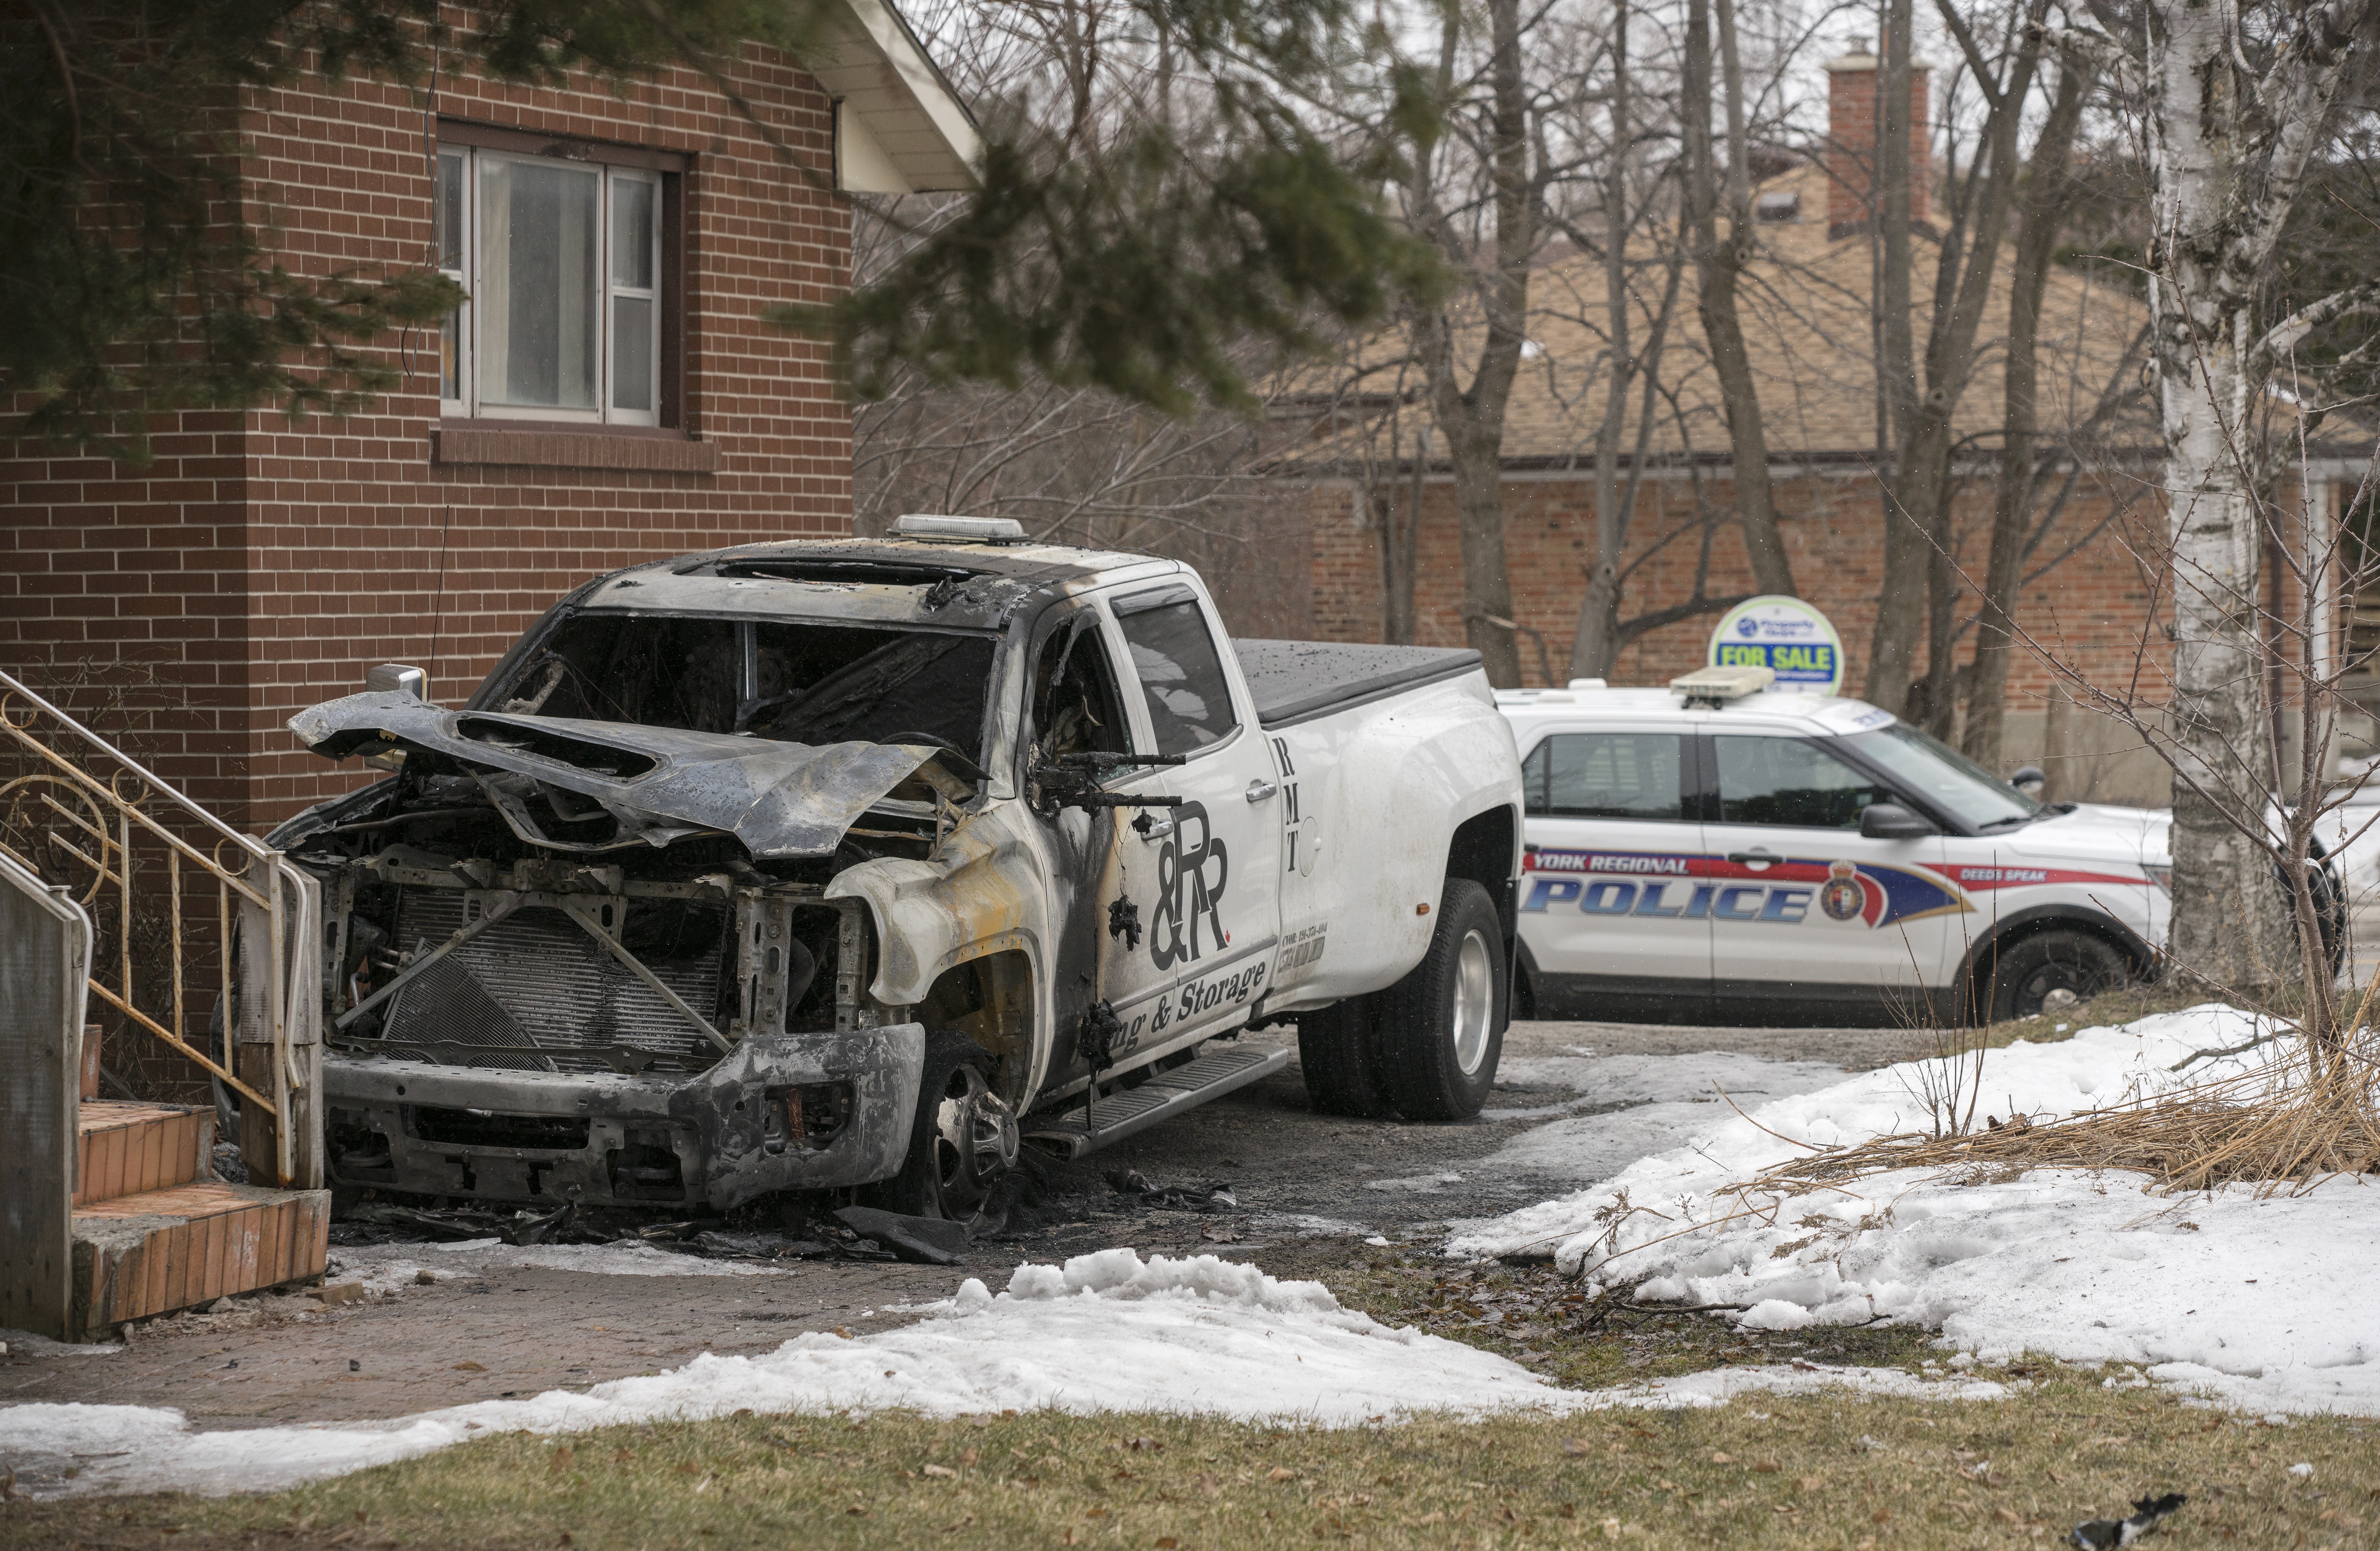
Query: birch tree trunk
x=2228, y=923
x=2229, y=148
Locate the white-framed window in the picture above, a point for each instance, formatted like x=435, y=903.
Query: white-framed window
x=562, y=259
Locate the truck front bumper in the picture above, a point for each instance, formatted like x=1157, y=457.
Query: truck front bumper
x=799, y=1111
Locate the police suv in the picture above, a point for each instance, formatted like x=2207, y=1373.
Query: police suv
x=1725, y=851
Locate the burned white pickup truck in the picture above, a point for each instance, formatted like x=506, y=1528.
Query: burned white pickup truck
x=814, y=866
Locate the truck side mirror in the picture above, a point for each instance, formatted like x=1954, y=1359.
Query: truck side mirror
x=2031, y=780
x=401, y=677
x=1891, y=822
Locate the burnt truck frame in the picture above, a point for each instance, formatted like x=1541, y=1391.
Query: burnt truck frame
x=740, y=933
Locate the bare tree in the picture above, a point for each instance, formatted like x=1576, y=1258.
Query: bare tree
x=1719, y=270
x=2049, y=190
x=2234, y=107
x=1071, y=462
x=1918, y=582
x=1470, y=414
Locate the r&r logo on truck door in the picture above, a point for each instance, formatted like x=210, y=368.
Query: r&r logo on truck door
x=1184, y=865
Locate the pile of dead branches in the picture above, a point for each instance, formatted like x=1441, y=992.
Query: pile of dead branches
x=2306, y=1114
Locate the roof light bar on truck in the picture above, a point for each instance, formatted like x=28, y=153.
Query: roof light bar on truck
x=959, y=531
x=1715, y=686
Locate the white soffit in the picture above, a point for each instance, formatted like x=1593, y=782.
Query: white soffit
x=899, y=128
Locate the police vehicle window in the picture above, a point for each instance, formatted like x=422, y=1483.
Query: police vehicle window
x=1604, y=775
x=1076, y=709
x=1945, y=777
x=1791, y=781
x=1180, y=672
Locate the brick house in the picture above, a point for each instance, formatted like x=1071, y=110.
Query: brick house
x=2091, y=591
x=608, y=395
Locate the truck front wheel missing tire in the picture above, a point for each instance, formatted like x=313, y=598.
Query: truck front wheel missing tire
x=1440, y=1029
x=964, y=1141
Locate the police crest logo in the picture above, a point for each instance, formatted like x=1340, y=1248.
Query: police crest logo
x=1842, y=898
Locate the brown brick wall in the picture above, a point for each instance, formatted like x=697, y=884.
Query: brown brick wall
x=257, y=567
x=2092, y=609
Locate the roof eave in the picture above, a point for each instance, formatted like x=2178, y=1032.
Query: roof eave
x=905, y=130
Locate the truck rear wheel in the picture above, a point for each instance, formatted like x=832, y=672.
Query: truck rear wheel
x=1441, y=1028
x=963, y=1141
x=1335, y=1051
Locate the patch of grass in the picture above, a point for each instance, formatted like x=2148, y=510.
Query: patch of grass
x=1821, y=1471
x=1538, y=1316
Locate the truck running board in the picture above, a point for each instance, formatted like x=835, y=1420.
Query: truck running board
x=1119, y=1115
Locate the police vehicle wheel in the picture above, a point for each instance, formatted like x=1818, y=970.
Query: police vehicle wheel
x=1442, y=1027
x=1334, y=1050
x=2057, y=959
x=963, y=1140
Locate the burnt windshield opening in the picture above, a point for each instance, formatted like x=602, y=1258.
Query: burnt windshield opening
x=793, y=681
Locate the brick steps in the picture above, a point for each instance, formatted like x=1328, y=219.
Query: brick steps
x=153, y=1233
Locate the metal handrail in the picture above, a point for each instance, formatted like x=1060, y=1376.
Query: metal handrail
x=263, y=880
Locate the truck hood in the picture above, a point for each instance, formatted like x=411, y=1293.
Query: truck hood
x=785, y=801
x=2093, y=832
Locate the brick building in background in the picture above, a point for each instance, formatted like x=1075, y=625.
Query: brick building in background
x=2093, y=593
x=609, y=394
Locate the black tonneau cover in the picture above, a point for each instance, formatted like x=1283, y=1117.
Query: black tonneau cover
x=1297, y=681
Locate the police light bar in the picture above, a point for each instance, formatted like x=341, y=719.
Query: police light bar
x=1715, y=686
x=963, y=530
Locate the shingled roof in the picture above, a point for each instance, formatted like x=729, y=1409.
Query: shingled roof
x=1812, y=337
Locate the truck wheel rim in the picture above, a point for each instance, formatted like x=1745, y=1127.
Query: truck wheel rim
x=976, y=1141
x=1474, y=1003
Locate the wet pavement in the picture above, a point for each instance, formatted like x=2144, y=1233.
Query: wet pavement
x=441, y=1324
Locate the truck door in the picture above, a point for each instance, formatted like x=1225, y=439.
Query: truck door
x=1810, y=921
x=1104, y=886
x=1608, y=893
x=1214, y=858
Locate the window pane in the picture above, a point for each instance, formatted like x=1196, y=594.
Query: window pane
x=536, y=293
x=1606, y=775
x=632, y=353
x=449, y=213
x=448, y=217
x=1949, y=777
x=632, y=234
x=1188, y=706
x=1791, y=781
x=1074, y=696
x=450, y=355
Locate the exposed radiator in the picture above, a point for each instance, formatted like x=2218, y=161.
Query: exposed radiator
x=535, y=993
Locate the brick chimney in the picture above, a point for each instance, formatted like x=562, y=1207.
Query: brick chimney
x=1851, y=152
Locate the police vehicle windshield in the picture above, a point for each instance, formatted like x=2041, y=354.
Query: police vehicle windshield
x=1945, y=778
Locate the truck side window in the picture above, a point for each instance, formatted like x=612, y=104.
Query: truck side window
x=1604, y=775
x=1180, y=672
x=1790, y=781
x=1076, y=707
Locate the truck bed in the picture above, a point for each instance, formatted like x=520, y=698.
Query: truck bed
x=1297, y=681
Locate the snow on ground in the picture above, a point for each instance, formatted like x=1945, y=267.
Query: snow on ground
x=1104, y=1332
x=1644, y=1104
x=2262, y=1304
x=384, y=1268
